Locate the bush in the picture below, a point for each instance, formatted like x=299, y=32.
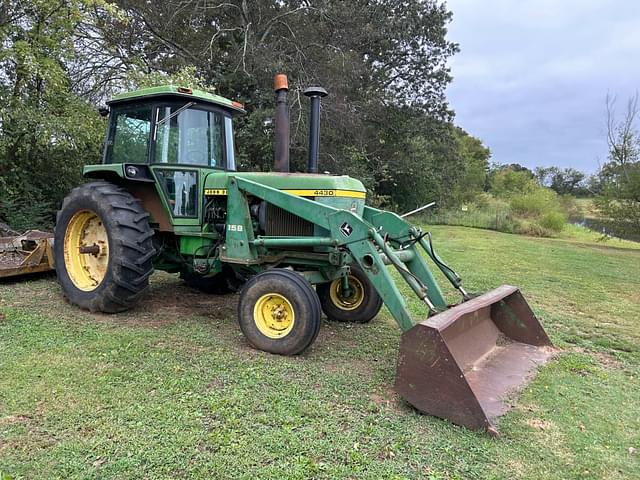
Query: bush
x=508, y=182
x=23, y=215
x=554, y=221
x=486, y=212
x=570, y=206
x=535, y=203
x=532, y=228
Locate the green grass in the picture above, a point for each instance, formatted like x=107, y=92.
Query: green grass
x=171, y=389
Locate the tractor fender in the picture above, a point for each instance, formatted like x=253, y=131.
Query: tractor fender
x=143, y=188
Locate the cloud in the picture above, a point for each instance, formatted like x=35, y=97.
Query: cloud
x=532, y=76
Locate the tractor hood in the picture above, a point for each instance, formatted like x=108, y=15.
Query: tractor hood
x=302, y=184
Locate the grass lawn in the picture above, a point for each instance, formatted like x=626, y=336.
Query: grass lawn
x=171, y=389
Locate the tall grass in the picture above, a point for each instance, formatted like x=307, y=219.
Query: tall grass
x=487, y=218
x=538, y=213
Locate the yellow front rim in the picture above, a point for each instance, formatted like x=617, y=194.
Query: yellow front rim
x=355, y=297
x=86, y=250
x=273, y=315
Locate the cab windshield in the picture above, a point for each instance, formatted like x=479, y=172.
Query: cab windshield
x=190, y=136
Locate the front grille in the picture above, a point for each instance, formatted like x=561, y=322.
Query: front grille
x=280, y=223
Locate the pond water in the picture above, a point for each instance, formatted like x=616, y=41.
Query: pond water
x=600, y=226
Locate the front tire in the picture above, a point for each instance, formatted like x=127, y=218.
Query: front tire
x=103, y=248
x=279, y=312
x=362, y=303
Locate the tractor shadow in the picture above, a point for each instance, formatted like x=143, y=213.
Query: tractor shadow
x=170, y=300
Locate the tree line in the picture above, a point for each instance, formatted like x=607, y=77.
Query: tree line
x=384, y=62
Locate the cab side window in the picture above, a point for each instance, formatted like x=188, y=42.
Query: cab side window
x=129, y=132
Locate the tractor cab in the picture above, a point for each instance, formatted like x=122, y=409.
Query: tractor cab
x=173, y=136
x=171, y=126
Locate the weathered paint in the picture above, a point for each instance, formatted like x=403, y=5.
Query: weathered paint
x=465, y=364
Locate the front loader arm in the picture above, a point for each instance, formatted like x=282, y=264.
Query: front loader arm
x=392, y=222
x=378, y=239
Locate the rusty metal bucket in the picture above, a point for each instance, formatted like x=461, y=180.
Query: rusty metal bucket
x=464, y=364
x=28, y=253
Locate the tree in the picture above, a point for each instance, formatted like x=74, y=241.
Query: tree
x=381, y=62
x=384, y=62
x=46, y=132
x=620, y=199
x=506, y=181
x=475, y=161
x=567, y=181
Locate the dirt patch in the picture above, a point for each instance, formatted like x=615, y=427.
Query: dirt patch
x=170, y=301
x=13, y=419
x=605, y=247
x=388, y=399
x=172, y=295
x=539, y=424
x=216, y=383
x=633, y=297
x=604, y=359
x=341, y=335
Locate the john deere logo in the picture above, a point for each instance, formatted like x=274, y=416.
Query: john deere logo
x=346, y=229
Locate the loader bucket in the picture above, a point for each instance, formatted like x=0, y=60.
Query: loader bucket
x=465, y=363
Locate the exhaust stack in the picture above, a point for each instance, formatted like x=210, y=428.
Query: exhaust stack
x=281, y=87
x=315, y=93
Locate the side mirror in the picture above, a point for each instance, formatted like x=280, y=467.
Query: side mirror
x=103, y=111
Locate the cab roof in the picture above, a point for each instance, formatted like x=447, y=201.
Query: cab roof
x=177, y=91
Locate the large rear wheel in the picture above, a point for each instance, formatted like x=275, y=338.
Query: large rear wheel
x=279, y=312
x=103, y=248
x=359, y=303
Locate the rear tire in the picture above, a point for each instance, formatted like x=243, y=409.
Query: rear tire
x=361, y=307
x=279, y=312
x=108, y=219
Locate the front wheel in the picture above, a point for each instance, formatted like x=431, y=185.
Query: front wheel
x=103, y=248
x=279, y=312
x=360, y=303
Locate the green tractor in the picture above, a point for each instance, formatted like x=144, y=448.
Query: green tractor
x=167, y=196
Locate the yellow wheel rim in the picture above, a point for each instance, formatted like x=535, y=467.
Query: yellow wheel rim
x=273, y=315
x=354, y=300
x=86, y=250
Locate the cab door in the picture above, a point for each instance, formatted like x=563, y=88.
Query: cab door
x=189, y=142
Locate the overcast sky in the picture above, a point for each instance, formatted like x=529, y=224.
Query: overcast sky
x=532, y=75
